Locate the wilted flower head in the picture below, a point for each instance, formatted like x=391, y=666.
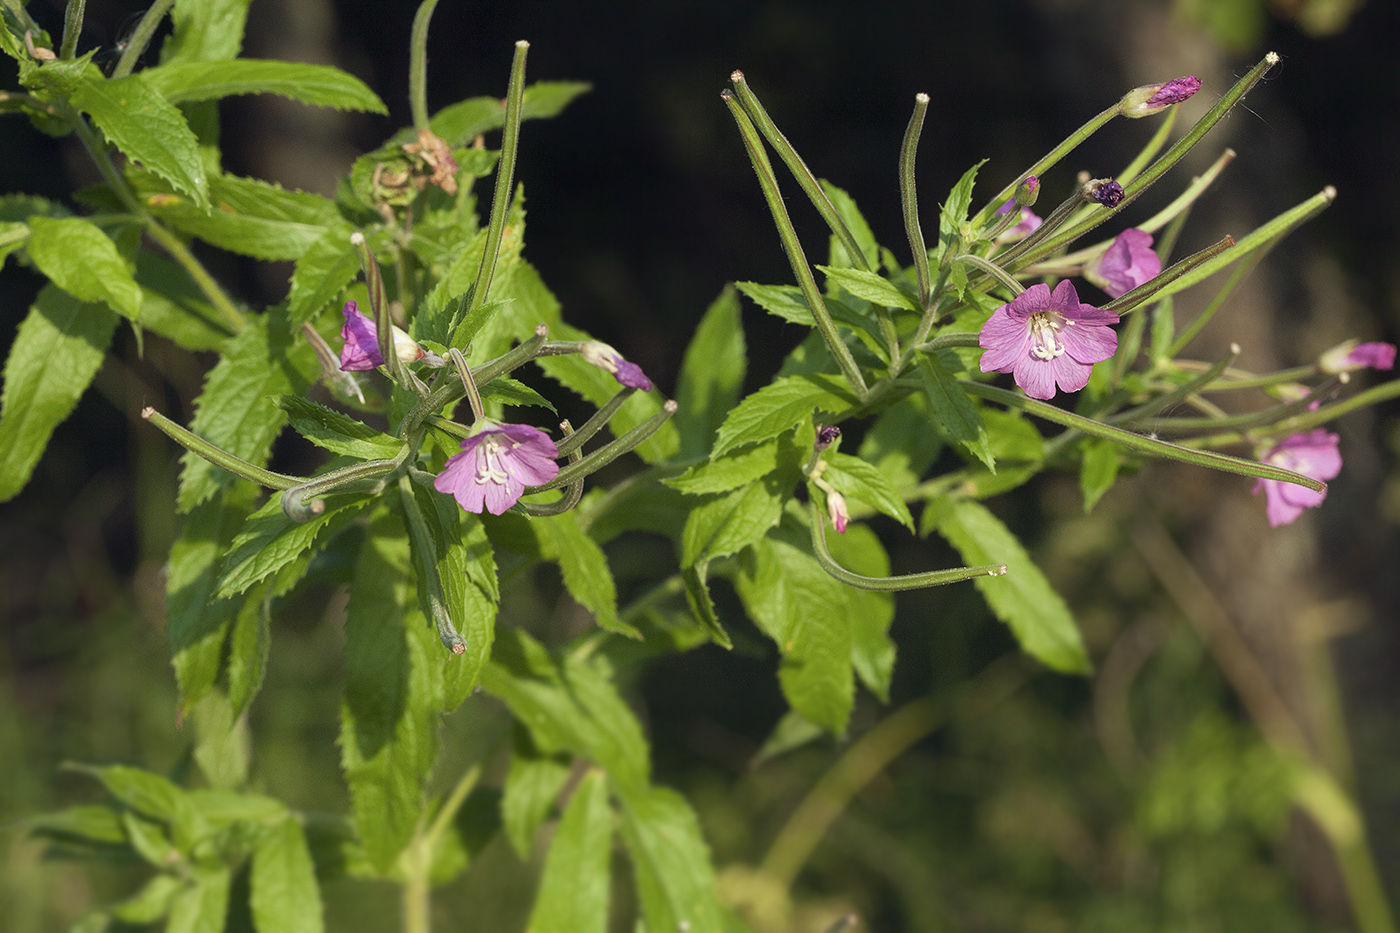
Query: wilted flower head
x=605, y=357
x=433, y=162
x=1106, y=192
x=361, y=348
x=1126, y=264
x=1313, y=454
x=826, y=436
x=1047, y=339
x=1351, y=356
x=1154, y=98
x=496, y=464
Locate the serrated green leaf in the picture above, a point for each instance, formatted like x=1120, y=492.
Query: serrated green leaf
x=712, y=374
x=574, y=891
x=459, y=122
x=870, y=286
x=779, y=406
x=1098, y=470
x=900, y=445
x=510, y=391
x=234, y=412
x=58, y=349
x=702, y=607
x=1022, y=598
x=285, y=897
x=269, y=541
x=327, y=267
x=196, y=624
x=97, y=823
x=147, y=129
x=248, y=647
x=318, y=85
x=337, y=432
x=953, y=411
x=393, y=694
x=584, y=567
x=734, y=469
x=202, y=906
x=533, y=784
x=806, y=613
x=953, y=213
x=206, y=30
x=675, y=880
x=568, y=705
x=249, y=217
x=787, y=302
x=730, y=522
x=854, y=477
x=84, y=262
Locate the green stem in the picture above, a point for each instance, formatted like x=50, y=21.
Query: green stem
x=142, y=37
x=909, y=199
x=994, y=270
x=207, y=284
x=609, y=452
x=505, y=178
x=799, y=169
x=793, y=247
x=950, y=340
x=418, y=64
x=72, y=25
x=908, y=581
x=222, y=458
x=1153, y=288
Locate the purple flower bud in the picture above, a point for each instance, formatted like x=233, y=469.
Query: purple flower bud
x=1314, y=454
x=837, y=510
x=605, y=357
x=1047, y=339
x=1107, y=192
x=1154, y=98
x=1027, y=191
x=826, y=436
x=1126, y=264
x=361, y=348
x=1351, y=356
x=496, y=464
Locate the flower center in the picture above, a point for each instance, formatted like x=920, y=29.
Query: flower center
x=488, y=465
x=1045, y=335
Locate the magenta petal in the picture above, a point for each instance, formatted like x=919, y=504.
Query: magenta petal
x=361, y=348
x=1089, y=343
x=1006, y=340
x=1035, y=377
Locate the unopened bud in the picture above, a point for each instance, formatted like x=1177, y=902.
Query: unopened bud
x=1154, y=98
x=1104, y=191
x=1027, y=192
x=826, y=436
x=1350, y=356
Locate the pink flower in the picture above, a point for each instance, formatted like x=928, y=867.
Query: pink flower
x=837, y=510
x=361, y=348
x=605, y=357
x=1351, y=356
x=1126, y=264
x=1313, y=454
x=496, y=464
x=1046, y=339
x=1027, y=224
x=1154, y=98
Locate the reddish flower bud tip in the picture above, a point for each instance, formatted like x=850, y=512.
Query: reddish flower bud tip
x=1350, y=356
x=1175, y=91
x=605, y=357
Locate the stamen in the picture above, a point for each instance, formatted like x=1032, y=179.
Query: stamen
x=488, y=468
x=1045, y=336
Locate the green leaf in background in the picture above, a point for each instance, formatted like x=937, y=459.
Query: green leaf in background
x=234, y=412
x=285, y=896
x=55, y=355
x=250, y=217
x=459, y=122
x=806, y=613
x=152, y=796
x=584, y=567
x=953, y=411
x=173, y=306
x=318, y=85
x=337, y=432
x=533, y=783
x=787, y=302
x=13, y=235
x=1099, y=469
x=869, y=286
x=899, y=443
x=727, y=523
x=675, y=880
x=846, y=209
x=393, y=695
x=872, y=649
x=779, y=406
x=84, y=262
x=574, y=892
x=702, y=607
x=196, y=623
x=248, y=647
x=570, y=705
x=734, y=469
x=852, y=476
x=711, y=376
x=150, y=903
x=202, y=906
x=322, y=272
x=269, y=540
x=1022, y=598
x=147, y=129
x=953, y=213
x=206, y=30
x=510, y=391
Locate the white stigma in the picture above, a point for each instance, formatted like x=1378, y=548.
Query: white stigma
x=488, y=466
x=1045, y=335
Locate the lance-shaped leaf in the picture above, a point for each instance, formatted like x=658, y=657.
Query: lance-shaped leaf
x=318, y=85
x=585, y=568
x=322, y=272
x=201, y=906
x=953, y=411
x=337, y=432
x=711, y=376
x=729, y=522
x=147, y=129
x=734, y=469
x=574, y=891
x=780, y=406
x=393, y=694
x=533, y=784
x=84, y=262
x=285, y=896
x=56, y=353
x=675, y=880
x=852, y=476
x=871, y=287
x=1022, y=598
x=270, y=541
x=206, y=31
